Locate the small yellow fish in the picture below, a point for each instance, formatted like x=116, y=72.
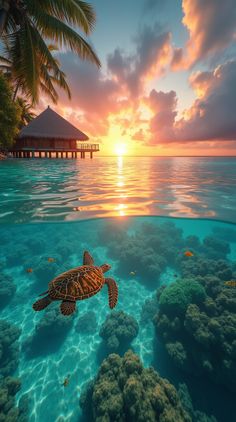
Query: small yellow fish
x=231, y=283
x=132, y=273
x=188, y=253
x=66, y=381
x=51, y=259
x=29, y=270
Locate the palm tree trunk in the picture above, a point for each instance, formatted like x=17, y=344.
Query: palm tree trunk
x=4, y=8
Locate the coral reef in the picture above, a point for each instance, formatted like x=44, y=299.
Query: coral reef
x=87, y=323
x=118, y=331
x=148, y=251
x=7, y=290
x=9, y=387
x=149, y=310
x=49, y=333
x=9, y=349
x=124, y=390
x=197, y=322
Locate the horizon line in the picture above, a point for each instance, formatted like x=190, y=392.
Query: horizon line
x=179, y=156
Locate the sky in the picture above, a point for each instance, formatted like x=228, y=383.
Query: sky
x=167, y=84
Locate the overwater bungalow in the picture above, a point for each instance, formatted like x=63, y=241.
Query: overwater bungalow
x=51, y=136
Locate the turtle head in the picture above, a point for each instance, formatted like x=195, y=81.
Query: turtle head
x=105, y=268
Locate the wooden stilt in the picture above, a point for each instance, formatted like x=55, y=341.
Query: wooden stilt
x=50, y=154
x=66, y=154
x=40, y=154
x=56, y=154
x=91, y=154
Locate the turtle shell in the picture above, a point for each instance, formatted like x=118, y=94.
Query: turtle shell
x=77, y=284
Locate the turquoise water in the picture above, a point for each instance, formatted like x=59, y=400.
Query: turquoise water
x=65, y=190
x=144, y=252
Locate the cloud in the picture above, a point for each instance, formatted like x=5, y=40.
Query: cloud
x=139, y=135
x=163, y=105
x=212, y=28
x=152, y=55
x=211, y=117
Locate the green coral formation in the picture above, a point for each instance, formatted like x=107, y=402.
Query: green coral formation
x=197, y=322
x=9, y=387
x=118, y=331
x=9, y=348
x=9, y=358
x=174, y=300
x=124, y=390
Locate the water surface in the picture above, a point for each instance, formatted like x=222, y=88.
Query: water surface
x=65, y=190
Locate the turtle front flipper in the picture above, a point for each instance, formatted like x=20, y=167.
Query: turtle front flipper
x=42, y=303
x=87, y=259
x=67, y=307
x=112, y=292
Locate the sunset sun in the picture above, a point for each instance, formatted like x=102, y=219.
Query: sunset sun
x=120, y=149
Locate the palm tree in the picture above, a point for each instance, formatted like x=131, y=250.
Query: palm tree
x=25, y=24
x=49, y=74
x=26, y=114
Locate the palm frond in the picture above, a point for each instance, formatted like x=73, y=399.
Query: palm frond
x=62, y=34
x=73, y=12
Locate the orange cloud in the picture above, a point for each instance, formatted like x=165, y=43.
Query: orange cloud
x=211, y=25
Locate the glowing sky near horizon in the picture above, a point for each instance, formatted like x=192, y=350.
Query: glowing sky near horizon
x=167, y=85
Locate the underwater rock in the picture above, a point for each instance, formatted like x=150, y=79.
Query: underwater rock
x=149, y=310
x=118, y=331
x=124, y=390
x=9, y=348
x=49, y=334
x=198, y=328
x=8, y=389
x=7, y=290
x=87, y=323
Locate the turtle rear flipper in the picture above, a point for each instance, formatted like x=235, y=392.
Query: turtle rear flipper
x=112, y=292
x=67, y=307
x=42, y=303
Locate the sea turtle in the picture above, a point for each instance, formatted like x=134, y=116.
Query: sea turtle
x=78, y=284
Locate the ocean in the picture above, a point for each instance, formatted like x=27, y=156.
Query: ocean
x=167, y=227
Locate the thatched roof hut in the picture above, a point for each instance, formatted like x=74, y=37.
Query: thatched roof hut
x=50, y=130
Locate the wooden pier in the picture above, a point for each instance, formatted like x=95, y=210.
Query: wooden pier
x=65, y=153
